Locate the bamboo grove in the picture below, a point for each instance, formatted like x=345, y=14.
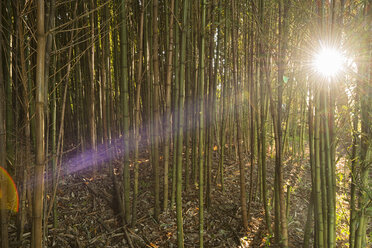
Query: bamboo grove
x=188, y=85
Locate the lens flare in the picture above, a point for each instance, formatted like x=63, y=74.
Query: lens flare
x=328, y=62
x=8, y=194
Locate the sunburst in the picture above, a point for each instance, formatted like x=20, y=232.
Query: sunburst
x=328, y=62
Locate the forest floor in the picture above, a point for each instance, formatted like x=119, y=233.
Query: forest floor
x=87, y=216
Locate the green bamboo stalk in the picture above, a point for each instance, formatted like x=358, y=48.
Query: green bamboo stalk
x=137, y=114
x=167, y=127
x=180, y=241
x=125, y=103
x=40, y=129
x=156, y=108
x=201, y=126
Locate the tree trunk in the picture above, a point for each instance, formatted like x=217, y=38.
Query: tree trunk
x=40, y=129
x=283, y=12
x=137, y=136
x=243, y=199
x=3, y=184
x=366, y=132
x=181, y=99
x=167, y=126
x=318, y=189
x=156, y=109
x=92, y=74
x=263, y=115
x=125, y=103
x=175, y=115
x=201, y=126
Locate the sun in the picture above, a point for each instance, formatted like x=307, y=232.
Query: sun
x=328, y=62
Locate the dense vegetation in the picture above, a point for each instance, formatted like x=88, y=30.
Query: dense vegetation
x=197, y=107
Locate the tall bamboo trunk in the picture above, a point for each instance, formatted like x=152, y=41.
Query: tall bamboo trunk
x=167, y=126
x=40, y=129
x=137, y=136
x=366, y=131
x=201, y=126
x=125, y=107
x=25, y=171
x=223, y=103
x=263, y=111
x=243, y=198
x=92, y=73
x=175, y=115
x=318, y=187
x=3, y=184
x=283, y=12
x=209, y=115
x=180, y=241
x=156, y=108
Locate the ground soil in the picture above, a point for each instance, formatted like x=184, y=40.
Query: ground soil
x=88, y=213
